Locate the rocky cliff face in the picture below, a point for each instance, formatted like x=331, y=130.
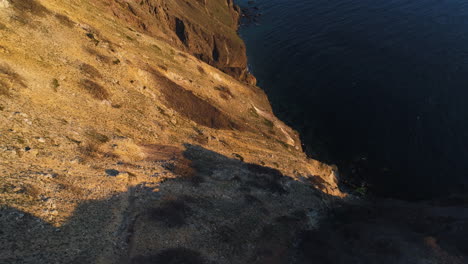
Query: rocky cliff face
x=130, y=131
x=205, y=29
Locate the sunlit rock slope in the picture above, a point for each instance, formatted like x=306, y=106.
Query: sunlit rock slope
x=131, y=131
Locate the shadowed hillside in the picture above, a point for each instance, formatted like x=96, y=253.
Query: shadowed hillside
x=222, y=210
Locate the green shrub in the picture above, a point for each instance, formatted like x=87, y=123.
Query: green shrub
x=55, y=84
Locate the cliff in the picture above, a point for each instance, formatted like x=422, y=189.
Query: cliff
x=205, y=29
x=131, y=131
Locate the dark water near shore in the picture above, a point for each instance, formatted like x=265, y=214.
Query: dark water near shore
x=378, y=87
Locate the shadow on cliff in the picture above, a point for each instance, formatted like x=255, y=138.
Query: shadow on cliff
x=229, y=211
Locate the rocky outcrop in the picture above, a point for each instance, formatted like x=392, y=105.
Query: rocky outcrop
x=206, y=29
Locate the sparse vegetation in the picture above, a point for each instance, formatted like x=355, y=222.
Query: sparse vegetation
x=89, y=150
x=64, y=20
x=268, y=123
x=90, y=71
x=55, y=84
x=200, y=69
x=161, y=111
x=30, y=6
x=253, y=113
x=163, y=67
x=282, y=143
x=191, y=106
x=96, y=136
x=238, y=156
x=100, y=57
x=224, y=92
x=4, y=91
x=11, y=75
x=92, y=38
x=94, y=89
x=156, y=49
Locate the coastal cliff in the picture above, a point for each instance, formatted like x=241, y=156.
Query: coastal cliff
x=131, y=132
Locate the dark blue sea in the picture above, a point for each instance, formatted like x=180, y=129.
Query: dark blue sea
x=377, y=87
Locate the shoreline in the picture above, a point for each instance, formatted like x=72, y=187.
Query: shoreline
x=362, y=163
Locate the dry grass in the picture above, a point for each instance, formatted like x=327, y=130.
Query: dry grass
x=10, y=74
x=93, y=38
x=90, y=71
x=100, y=57
x=95, y=89
x=268, y=123
x=163, y=67
x=182, y=55
x=224, y=92
x=30, y=6
x=97, y=137
x=64, y=20
x=201, y=70
x=89, y=150
x=191, y=106
x=127, y=151
x=4, y=91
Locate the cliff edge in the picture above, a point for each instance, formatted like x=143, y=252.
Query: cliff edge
x=131, y=132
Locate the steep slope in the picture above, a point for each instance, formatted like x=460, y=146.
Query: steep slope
x=205, y=28
x=130, y=132
x=119, y=139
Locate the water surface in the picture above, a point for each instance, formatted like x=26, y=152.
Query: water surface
x=378, y=87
